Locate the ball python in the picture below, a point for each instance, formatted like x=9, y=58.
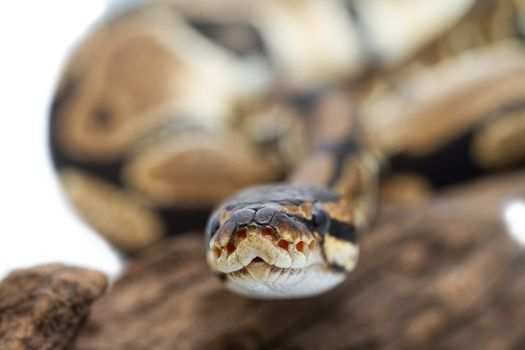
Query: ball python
x=281, y=115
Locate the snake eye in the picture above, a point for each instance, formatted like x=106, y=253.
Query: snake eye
x=320, y=219
x=213, y=225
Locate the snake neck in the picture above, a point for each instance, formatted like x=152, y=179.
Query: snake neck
x=341, y=159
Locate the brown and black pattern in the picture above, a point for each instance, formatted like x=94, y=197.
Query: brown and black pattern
x=167, y=110
x=456, y=120
x=332, y=201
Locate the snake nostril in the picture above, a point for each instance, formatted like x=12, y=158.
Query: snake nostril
x=283, y=244
x=267, y=232
x=230, y=247
x=300, y=246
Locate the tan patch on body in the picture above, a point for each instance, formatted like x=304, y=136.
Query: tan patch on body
x=341, y=210
x=405, y=189
x=140, y=72
x=117, y=215
x=122, y=92
x=310, y=41
x=485, y=23
x=501, y=142
x=334, y=118
x=197, y=169
x=358, y=187
x=439, y=103
x=317, y=169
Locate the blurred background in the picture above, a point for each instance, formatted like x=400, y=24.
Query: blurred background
x=440, y=85
x=37, y=224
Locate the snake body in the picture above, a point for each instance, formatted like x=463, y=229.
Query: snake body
x=299, y=238
x=174, y=108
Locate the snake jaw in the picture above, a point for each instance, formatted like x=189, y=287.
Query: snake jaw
x=259, y=270
x=281, y=261
x=254, y=245
x=263, y=266
x=264, y=281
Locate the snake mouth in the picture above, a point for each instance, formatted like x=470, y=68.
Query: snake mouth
x=262, y=280
x=261, y=257
x=259, y=248
x=278, y=261
x=258, y=270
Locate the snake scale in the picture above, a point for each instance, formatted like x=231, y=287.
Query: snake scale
x=282, y=115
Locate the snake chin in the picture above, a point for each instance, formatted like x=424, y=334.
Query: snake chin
x=260, y=271
x=265, y=281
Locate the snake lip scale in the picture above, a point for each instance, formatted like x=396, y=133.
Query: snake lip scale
x=254, y=245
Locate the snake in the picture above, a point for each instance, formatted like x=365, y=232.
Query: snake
x=276, y=126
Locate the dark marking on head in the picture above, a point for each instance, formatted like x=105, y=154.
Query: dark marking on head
x=337, y=268
x=343, y=231
x=320, y=219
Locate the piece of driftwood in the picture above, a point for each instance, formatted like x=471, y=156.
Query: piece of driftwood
x=444, y=274
x=44, y=307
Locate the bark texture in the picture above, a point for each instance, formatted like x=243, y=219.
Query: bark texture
x=45, y=307
x=443, y=274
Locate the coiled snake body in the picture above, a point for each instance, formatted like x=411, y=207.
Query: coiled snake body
x=172, y=108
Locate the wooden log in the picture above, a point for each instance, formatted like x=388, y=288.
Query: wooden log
x=444, y=274
x=44, y=307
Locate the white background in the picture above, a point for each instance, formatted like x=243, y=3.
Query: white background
x=36, y=224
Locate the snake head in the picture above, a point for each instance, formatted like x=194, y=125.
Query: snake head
x=280, y=241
